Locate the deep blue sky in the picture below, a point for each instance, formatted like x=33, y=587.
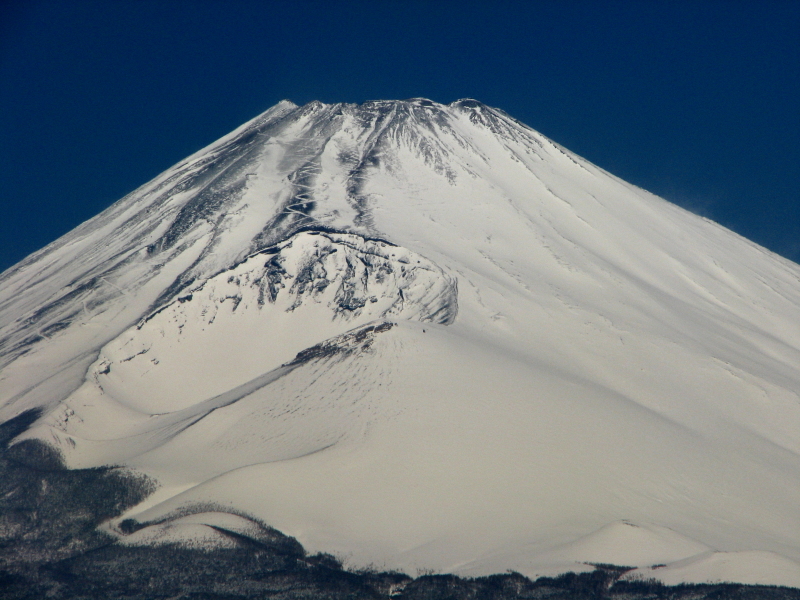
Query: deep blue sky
x=695, y=101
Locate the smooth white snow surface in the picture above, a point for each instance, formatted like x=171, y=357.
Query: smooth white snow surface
x=423, y=336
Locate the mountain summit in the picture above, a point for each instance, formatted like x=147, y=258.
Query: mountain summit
x=422, y=336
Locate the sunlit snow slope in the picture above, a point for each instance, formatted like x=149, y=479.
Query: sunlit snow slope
x=423, y=336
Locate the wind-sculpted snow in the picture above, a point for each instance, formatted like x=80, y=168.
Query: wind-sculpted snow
x=577, y=371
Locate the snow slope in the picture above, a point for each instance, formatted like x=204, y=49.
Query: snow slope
x=423, y=336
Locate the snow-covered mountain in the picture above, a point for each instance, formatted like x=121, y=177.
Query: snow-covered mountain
x=423, y=336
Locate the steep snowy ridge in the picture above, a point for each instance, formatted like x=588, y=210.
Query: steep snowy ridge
x=278, y=303
x=423, y=336
x=75, y=270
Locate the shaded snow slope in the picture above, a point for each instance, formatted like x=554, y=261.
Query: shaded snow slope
x=753, y=567
x=424, y=337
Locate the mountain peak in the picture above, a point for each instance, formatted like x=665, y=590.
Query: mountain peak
x=426, y=336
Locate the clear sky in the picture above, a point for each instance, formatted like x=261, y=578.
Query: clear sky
x=698, y=102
